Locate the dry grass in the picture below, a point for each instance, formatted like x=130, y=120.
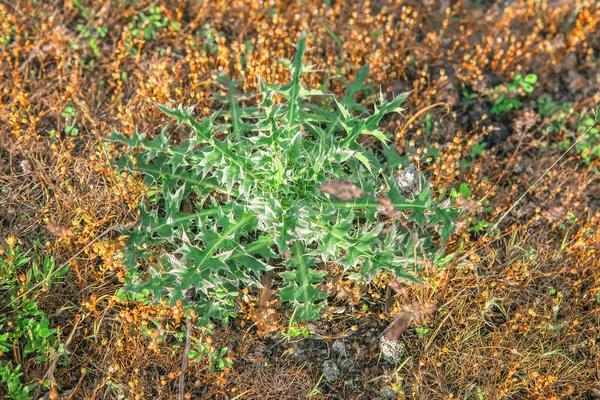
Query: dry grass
x=517, y=318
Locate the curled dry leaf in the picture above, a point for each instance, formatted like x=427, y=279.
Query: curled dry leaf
x=466, y=204
x=57, y=230
x=555, y=213
x=342, y=189
x=400, y=290
x=401, y=321
x=266, y=314
x=345, y=290
x=413, y=312
x=386, y=207
x=129, y=225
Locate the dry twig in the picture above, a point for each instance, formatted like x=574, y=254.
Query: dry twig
x=184, y=363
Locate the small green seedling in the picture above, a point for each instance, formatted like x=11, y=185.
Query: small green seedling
x=508, y=101
x=70, y=115
x=422, y=332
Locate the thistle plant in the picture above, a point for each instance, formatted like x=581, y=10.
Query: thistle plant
x=283, y=186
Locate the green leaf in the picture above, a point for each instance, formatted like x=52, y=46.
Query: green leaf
x=301, y=290
x=223, y=209
x=440, y=262
x=334, y=36
x=401, y=273
x=355, y=87
x=531, y=79
x=294, y=87
x=464, y=190
x=235, y=111
x=360, y=157
x=377, y=133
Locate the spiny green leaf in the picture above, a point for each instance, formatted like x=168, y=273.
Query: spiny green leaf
x=256, y=203
x=301, y=290
x=361, y=157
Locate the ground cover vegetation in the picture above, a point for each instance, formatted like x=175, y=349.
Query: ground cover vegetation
x=275, y=200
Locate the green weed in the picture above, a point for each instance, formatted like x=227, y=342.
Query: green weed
x=294, y=330
x=90, y=34
x=210, y=35
x=508, y=99
x=148, y=26
x=422, y=332
x=23, y=325
x=588, y=148
x=562, y=119
x=548, y=108
x=282, y=186
x=7, y=39
x=70, y=116
x=82, y=9
x=216, y=359
x=93, y=35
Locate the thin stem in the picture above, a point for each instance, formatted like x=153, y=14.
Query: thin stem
x=185, y=361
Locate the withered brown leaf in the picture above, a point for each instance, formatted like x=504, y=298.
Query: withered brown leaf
x=57, y=230
x=555, y=213
x=403, y=318
x=466, y=204
x=386, y=207
x=342, y=189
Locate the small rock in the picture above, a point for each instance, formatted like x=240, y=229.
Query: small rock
x=346, y=365
x=391, y=350
x=331, y=372
x=387, y=393
x=339, y=348
x=409, y=182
